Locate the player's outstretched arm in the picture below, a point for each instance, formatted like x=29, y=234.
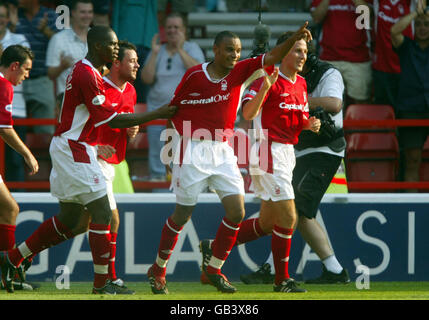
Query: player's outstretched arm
x=126, y=120
x=10, y=136
x=278, y=52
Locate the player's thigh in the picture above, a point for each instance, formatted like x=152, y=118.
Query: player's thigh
x=71, y=214
x=267, y=217
x=100, y=210
x=284, y=212
x=83, y=224
x=8, y=207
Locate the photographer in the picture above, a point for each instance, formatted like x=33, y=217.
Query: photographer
x=318, y=157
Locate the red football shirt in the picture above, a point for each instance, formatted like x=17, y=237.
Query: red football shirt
x=123, y=101
x=6, y=97
x=340, y=40
x=388, y=12
x=85, y=105
x=211, y=106
x=283, y=109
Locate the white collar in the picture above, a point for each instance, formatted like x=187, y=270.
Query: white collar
x=87, y=62
x=114, y=85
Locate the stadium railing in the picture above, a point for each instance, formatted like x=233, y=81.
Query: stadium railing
x=352, y=185
x=44, y=185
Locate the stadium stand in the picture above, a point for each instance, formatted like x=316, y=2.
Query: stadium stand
x=424, y=167
x=39, y=145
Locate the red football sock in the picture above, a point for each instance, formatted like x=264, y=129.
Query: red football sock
x=226, y=237
x=249, y=230
x=99, y=241
x=169, y=235
x=112, y=270
x=280, y=246
x=7, y=237
x=50, y=233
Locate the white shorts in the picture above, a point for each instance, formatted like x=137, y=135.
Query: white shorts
x=274, y=182
x=206, y=164
x=1, y=179
x=76, y=175
x=109, y=175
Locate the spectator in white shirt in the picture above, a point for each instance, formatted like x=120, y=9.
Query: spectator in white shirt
x=69, y=45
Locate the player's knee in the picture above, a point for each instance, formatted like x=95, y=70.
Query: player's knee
x=235, y=215
x=9, y=212
x=182, y=214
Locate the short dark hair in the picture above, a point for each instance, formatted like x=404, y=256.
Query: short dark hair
x=284, y=36
x=224, y=34
x=98, y=34
x=74, y=3
x=15, y=53
x=176, y=15
x=125, y=45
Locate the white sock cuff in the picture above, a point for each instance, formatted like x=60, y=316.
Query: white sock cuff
x=331, y=264
x=24, y=250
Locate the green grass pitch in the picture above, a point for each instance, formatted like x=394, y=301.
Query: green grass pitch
x=196, y=291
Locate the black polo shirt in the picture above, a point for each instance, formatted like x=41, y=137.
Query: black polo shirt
x=413, y=95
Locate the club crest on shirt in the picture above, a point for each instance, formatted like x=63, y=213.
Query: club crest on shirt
x=8, y=108
x=224, y=85
x=98, y=100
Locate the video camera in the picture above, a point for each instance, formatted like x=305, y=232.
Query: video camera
x=327, y=126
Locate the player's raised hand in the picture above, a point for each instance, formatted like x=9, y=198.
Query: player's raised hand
x=269, y=80
x=32, y=164
x=303, y=33
x=106, y=151
x=156, y=46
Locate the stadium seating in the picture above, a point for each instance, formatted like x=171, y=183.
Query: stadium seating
x=369, y=112
x=372, y=157
x=372, y=154
x=39, y=143
x=424, y=167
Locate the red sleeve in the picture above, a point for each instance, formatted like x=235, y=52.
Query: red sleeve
x=94, y=96
x=6, y=97
x=175, y=101
x=253, y=89
x=245, y=68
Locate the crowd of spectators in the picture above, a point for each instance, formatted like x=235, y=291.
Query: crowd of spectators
x=370, y=66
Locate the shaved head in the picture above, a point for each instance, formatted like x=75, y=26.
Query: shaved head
x=99, y=34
